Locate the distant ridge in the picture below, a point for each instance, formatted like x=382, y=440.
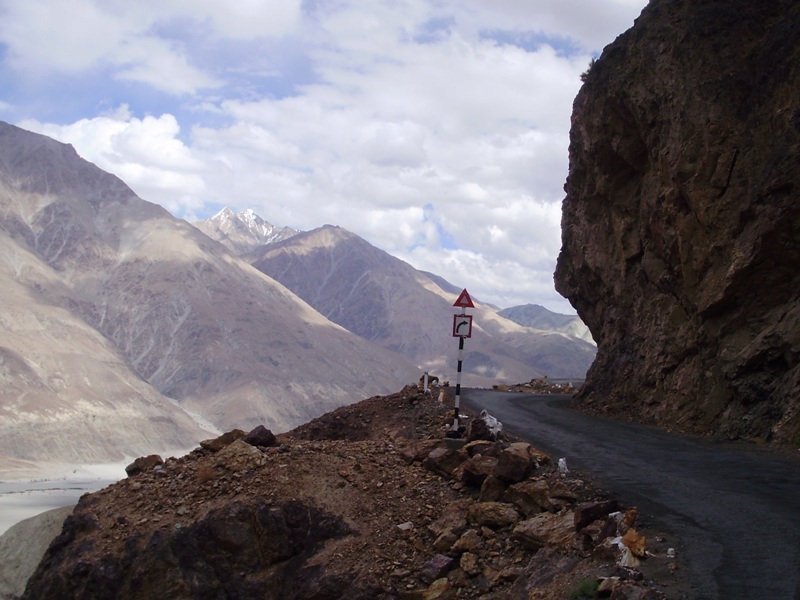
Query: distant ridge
x=538, y=317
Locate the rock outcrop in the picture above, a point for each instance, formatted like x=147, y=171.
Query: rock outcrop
x=681, y=224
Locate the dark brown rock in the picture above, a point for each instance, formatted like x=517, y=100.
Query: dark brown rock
x=680, y=237
x=142, y=464
x=588, y=512
x=516, y=462
x=436, y=568
x=492, y=489
x=443, y=461
x=418, y=451
x=478, y=430
x=260, y=436
x=494, y=515
x=481, y=447
x=469, y=541
x=545, y=529
x=477, y=469
x=453, y=518
x=530, y=497
x=218, y=443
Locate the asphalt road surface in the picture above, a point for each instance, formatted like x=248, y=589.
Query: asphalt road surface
x=735, y=508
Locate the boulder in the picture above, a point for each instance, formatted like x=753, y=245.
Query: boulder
x=494, y=515
x=443, y=461
x=439, y=590
x=239, y=455
x=453, y=518
x=469, y=564
x=418, y=451
x=530, y=497
x=587, y=512
x=218, y=443
x=477, y=429
x=444, y=541
x=436, y=568
x=516, y=462
x=469, y=541
x=476, y=469
x=545, y=529
x=143, y=464
x=481, y=447
x=492, y=489
x=261, y=436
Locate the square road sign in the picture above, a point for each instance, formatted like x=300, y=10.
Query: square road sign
x=462, y=326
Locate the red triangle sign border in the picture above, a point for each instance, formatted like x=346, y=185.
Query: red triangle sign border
x=464, y=301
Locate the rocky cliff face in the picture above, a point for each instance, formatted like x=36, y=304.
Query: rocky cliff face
x=681, y=225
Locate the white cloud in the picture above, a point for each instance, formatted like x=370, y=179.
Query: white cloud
x=45, y=36
x=145, y=153
x=162, y=66
x=245, y=19
x=58, y=36
x=437, y=130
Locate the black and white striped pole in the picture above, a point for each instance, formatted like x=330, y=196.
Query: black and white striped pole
x=462, y=328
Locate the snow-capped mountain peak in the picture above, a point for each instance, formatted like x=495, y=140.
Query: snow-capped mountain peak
x=244, y=231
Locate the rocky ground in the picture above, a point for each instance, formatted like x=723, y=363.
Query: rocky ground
x=369, y=501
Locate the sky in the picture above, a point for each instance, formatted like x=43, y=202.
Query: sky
x=437, y=130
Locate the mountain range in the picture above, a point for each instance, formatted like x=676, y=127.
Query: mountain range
x=124, y=330
x=385, y=300
x=119, y=320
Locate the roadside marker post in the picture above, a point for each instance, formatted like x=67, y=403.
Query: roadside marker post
x=462, y=328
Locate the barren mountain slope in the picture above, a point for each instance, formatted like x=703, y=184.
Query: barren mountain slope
x=384, y=299
x=190, y=318
x=66, y=394
x=538, y=317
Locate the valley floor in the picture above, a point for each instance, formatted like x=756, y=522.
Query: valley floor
x=22, y=499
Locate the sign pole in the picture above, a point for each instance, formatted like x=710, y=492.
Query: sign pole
x=458, y=382
x=462, y=328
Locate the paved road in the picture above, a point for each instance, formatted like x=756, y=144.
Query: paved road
x=735, y=508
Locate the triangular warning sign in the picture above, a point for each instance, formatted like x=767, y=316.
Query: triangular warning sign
x=464, y=301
